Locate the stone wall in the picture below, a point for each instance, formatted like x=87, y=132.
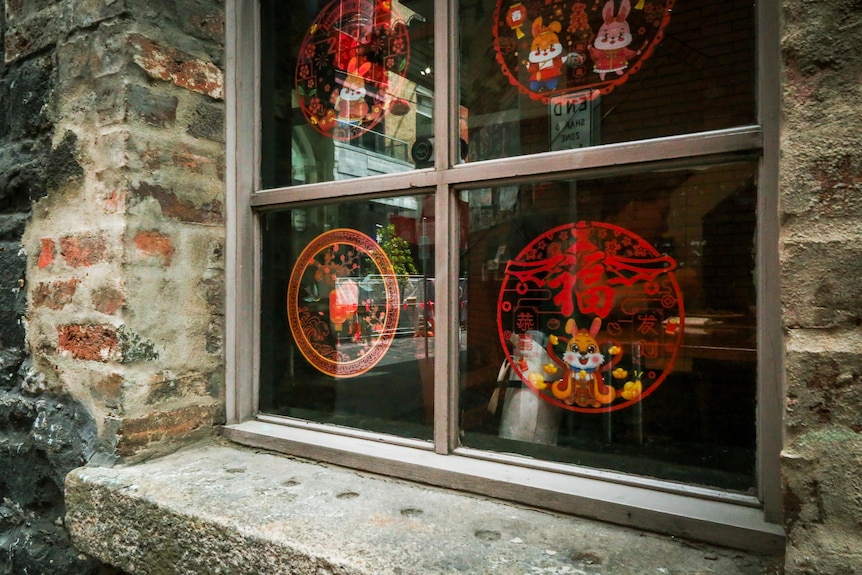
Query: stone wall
x=821, y=243
x=111, y=225
x=43, y=435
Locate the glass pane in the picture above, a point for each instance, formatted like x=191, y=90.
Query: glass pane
x=346, y=89
x=624, y=314
x=347, y=314
x=541, y=75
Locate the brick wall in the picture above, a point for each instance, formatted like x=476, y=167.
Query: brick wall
x=44, y=433
x=111, y=241
x=125, y=263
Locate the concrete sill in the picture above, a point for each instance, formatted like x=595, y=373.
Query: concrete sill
x=220, y=508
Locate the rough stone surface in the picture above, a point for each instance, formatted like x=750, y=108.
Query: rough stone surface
x=82, y=352
x=223, y=509
x=821, y=205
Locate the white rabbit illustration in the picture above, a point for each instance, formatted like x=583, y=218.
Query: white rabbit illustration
x=610, y=52
x=350, y=104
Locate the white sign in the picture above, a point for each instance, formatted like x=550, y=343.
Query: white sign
x=571, y=121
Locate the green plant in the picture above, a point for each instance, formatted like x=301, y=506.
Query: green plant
x=397, y=250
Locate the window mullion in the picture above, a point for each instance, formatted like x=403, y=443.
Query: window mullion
x=446, y=344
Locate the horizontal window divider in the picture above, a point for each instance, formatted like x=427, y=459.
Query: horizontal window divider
x=629, y=157
x=684, y=515
x=665, y=153
x=413, y=181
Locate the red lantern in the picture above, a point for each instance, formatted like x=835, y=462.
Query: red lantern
x=516, y=17
x=343, y=302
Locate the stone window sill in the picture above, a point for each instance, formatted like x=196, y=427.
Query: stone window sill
x=220, y=508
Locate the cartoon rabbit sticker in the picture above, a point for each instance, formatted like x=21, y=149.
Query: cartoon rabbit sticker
x=582, y=382
x=350, y=102
x=610, y=51
x=545, y=63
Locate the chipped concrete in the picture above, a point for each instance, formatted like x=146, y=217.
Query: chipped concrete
x=218, y=508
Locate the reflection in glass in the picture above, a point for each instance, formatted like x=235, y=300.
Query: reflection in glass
x=347, y=322
x=540, y=76
x=347, y=88
x=624, y=310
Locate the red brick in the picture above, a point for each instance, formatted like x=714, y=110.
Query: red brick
x=46, y=258
x=83, y=250
x=152, y=243
x=184, y=210
x=89, y=342
x=183, y=69
x=135, y=434
x=55, y=295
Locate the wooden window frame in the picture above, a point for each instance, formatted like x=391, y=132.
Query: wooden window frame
x=751, y=522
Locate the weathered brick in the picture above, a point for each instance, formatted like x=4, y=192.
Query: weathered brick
x=183, y=210
x=108, y=300
x=46, y=256
x=89, y=342
x=55, y=295
x=108, y=389
x=182, y=69
x=135, y=434
x=153, y=243
x=163, y=389
x=83, y=250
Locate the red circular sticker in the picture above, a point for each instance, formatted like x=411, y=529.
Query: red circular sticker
x=549, y=48
x=590, y=316
x=343, y=303
x=351, y=65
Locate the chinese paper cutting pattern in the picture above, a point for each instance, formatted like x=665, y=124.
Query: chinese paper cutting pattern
x=611, y=309
x=552, y=47
x=351, y=66
x=342, y=326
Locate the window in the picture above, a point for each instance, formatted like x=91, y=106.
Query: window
x=520, y=248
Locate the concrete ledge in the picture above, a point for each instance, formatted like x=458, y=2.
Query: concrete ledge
x=218, y=508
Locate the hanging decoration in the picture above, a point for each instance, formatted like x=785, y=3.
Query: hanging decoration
x=609, y=308
x=590, y=46
x=350, y=67
x=342, y=323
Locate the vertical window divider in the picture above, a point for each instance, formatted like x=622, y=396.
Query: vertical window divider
x=242, y=126
x=445, y=155
x=770, y=365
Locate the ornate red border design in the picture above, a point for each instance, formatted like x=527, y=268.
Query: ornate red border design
x=592, y=283
x=330, y=257
x=575, y=26
x=351, y=66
